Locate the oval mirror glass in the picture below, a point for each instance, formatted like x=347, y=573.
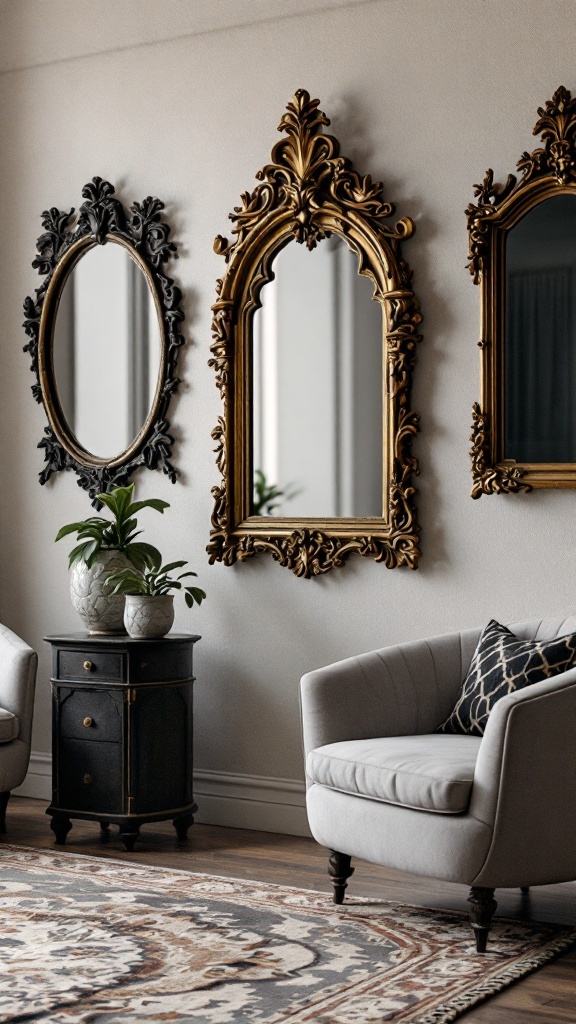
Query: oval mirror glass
x=540, y=339
x=107, y=350
x=318, y=387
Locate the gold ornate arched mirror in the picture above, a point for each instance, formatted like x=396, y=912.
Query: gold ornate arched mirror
x=315, y=332
x=523, y=256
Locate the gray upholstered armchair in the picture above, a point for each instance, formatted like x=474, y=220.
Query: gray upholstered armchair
x=490, y=812
x=18, y=664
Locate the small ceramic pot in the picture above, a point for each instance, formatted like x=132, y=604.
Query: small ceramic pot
x=147, y=617
x=100, y=611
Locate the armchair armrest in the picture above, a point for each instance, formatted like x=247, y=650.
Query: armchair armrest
x=525, y=785
x=18, y=663
x=403, y=690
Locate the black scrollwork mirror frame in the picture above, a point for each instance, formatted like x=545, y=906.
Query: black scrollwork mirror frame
x=308, y=192
x=546, y=172
x=145, y=235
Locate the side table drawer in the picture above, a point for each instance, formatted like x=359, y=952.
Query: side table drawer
x=90, y=776
x=91, y=715
x=107, y=666
x=157, y=664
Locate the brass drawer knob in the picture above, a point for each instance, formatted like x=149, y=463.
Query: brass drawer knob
x=87, y=722
x=87, y=665
x=87, y=779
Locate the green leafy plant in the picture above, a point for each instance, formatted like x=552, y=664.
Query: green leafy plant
x=268, y=497
x=155, y=581
x=97, y=533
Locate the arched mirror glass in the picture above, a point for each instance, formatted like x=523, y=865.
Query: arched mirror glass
x=315, y=331
x=522, y=249
x=107, y=350
x=540, y=371
x=317, y=435
x=104, y=338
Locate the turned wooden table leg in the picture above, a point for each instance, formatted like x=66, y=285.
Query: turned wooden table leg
x=129, y=834
x=60, y=826
x=182, y=824
x=339, y=870
x=482, y=907
x=4, y=798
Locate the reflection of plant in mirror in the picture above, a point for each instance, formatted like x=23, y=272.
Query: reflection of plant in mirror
x=268, y=497
x=155, y=581
x=97, y=533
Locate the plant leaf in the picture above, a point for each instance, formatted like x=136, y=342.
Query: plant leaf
x=91, y=549
x=71, y=528
x=155, y=503
x=172, y=565
x=118, y=500
x=150, y=554
x=76, y=555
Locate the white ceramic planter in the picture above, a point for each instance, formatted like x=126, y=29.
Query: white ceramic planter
x=147, y=617
x=100, y=611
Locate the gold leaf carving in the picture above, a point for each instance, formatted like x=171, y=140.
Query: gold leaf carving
x=307, y=192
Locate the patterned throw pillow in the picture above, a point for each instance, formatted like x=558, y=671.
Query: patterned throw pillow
x=501, y=664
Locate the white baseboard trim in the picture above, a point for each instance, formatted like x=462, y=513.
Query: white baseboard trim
x=251, y=801
x=38, y=782
x=224, y=798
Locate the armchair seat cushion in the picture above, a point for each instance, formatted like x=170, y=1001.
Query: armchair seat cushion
x=9, y=726
x=427, y=772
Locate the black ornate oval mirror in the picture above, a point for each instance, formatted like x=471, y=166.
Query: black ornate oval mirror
x=104, y=339
x=315, y=333
x=523, y=254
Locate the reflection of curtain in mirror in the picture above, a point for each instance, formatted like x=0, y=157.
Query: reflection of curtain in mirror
x=138, y=350
x=540, y=367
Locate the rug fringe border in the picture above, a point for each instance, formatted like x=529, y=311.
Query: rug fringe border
x=447, y=1012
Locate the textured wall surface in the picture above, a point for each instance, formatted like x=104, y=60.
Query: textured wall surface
x=424, y=94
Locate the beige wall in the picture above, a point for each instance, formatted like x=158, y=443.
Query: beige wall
x=425, y=94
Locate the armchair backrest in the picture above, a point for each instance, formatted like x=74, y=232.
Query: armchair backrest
x=18, y=663
x=404, y=690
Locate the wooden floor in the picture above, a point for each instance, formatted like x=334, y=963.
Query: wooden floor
x=546, y=997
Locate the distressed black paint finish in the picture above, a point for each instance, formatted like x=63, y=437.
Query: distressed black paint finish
x=122, y=747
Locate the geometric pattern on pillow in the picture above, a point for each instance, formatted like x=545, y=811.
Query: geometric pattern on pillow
x=503, y=663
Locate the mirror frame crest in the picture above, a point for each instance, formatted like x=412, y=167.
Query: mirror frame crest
x=142, y=231
x=307, y=192
x=548, y=171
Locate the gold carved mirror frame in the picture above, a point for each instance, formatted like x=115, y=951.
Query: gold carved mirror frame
x=306, y=193
x=548, y=171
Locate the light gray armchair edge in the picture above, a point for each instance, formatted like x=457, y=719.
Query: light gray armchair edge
x=519, y=825
x=18, y=664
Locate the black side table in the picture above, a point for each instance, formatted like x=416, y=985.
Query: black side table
x=121, y=732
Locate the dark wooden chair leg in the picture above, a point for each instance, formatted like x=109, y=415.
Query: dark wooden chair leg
x=4, y=798
x=339, y=870
x=60, y=827
x=482, y=907
x=524, y=889
x=182, y=825
x=104, y=831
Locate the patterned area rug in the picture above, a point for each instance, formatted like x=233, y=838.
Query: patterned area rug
x=85, y=939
